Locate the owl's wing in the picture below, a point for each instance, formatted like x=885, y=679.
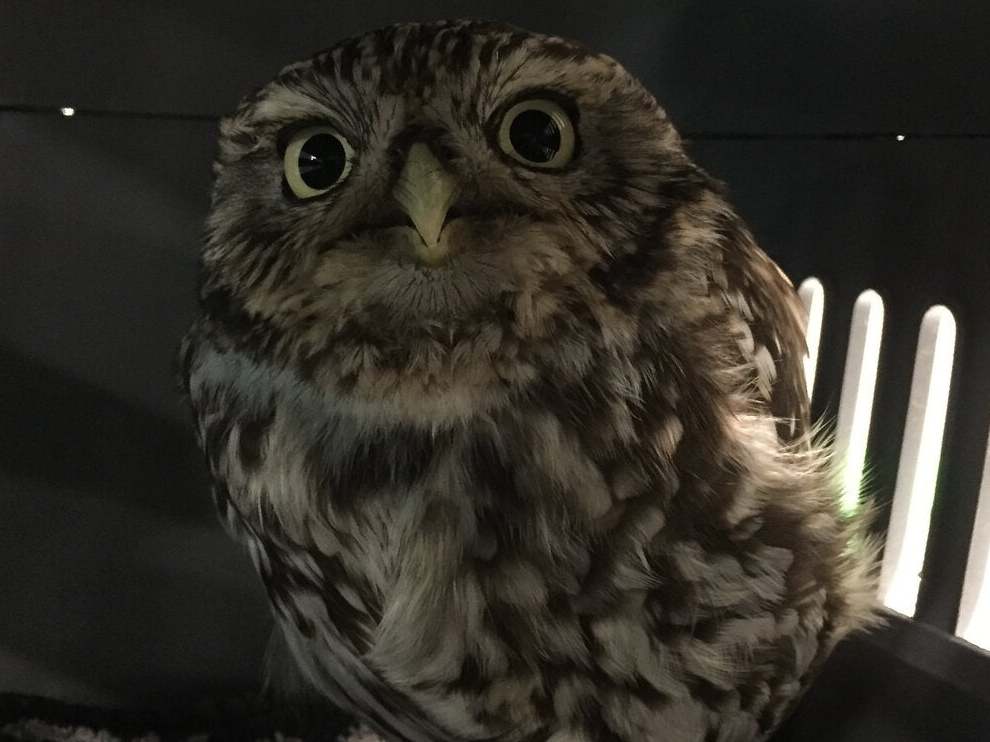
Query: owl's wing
x=326, y=629
x=764, y=298
x=328, y=614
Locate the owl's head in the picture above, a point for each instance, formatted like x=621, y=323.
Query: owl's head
x=441, y=215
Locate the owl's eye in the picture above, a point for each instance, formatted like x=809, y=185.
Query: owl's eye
x=539, y=133
x=315, y=160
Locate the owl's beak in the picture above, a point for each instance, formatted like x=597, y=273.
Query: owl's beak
x=426, y=191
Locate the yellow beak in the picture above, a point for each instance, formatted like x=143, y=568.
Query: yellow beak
x=426, y=191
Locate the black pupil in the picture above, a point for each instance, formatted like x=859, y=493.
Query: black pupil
x=321, y=161
x=535, y=135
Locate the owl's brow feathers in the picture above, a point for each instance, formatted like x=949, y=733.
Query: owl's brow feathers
x=390, y=60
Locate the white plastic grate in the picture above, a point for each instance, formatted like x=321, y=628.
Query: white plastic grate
x=812, y=295
x=917, y=472
x=858, y=386
x=974, y=610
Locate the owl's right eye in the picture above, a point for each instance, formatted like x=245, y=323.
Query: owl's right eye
x=315, y=160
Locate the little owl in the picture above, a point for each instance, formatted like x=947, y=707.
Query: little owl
x=508, y=406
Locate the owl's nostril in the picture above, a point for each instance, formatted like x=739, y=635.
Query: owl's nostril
x=454, y=213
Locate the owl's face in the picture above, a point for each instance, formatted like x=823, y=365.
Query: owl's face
x=450, y=211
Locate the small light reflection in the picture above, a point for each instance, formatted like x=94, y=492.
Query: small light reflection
x=901, y=137
x=68, y=111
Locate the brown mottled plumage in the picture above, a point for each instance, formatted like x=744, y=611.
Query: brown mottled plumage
x=547, y=474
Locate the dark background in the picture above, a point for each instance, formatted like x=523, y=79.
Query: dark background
x=116, y=584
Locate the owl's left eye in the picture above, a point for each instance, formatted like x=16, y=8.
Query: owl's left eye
x=539, y=133
x=315, y=160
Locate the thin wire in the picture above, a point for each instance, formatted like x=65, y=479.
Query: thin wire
x=104, y=113
x=695, y=136
x=832, y=135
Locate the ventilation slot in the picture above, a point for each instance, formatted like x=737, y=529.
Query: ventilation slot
x=856, y=403
x=917, y=472
x=812, y=295
x=974, y=610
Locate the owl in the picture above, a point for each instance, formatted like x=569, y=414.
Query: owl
x=507, y=405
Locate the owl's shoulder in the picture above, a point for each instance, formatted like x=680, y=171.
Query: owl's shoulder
x=762, y=300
